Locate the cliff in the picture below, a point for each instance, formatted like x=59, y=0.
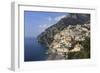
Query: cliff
x=66, y=38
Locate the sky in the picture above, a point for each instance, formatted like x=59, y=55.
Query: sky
x=36, y=22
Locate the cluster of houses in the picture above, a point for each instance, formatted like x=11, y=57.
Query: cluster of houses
x=68, y=39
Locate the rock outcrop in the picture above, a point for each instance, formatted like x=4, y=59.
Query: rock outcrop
x=66, y=36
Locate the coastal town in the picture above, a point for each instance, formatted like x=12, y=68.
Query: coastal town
x=68, y=39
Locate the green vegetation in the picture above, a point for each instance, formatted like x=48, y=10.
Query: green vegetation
x=84, y=53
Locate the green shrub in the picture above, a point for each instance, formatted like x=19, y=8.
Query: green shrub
x=84, y=53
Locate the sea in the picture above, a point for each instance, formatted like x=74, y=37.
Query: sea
x=33, y=50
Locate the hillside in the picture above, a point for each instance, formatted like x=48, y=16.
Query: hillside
x=69, y=38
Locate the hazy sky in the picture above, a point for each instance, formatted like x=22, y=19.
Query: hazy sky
x=37, y=22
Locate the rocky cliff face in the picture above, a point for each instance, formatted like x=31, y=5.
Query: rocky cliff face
x=66, y=38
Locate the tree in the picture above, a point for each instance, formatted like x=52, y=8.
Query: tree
x=84, y=53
